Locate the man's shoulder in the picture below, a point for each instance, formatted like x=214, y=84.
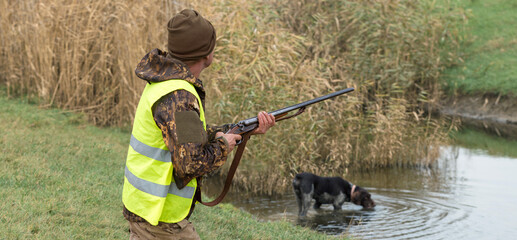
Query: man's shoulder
x=178, y=100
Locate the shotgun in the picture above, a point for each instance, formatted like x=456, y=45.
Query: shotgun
x=245, y=127
x=250, y=124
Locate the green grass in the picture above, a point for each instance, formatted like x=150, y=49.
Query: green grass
x=227, y=222
x=492, y=144
x=491, y=56
x=61, y=178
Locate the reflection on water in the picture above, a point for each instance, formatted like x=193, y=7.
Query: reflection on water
x=468, y=195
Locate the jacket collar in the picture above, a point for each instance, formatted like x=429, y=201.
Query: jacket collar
x=158, y=66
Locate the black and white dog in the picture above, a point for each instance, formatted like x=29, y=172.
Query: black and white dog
x=328, y=190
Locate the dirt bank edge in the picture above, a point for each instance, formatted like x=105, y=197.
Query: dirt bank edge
x=494, y=114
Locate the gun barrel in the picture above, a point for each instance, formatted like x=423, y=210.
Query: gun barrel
x=254, y=120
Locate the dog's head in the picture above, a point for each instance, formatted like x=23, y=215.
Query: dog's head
x=363, y=198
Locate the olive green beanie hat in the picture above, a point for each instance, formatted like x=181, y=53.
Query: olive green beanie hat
x=191, y=36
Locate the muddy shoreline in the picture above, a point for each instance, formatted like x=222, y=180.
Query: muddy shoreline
x=492, y=114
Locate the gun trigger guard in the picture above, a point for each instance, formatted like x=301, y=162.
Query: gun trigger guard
x=246, y=135
x=246, y=130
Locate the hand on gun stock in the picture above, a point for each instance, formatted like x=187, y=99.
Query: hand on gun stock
x=231, y=139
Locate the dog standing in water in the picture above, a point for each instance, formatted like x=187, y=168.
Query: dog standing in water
x=328, y=190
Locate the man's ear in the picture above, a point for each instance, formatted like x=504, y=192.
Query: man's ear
x=208, y=59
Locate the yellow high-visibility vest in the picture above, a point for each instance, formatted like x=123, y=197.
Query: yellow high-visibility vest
x=149, y=188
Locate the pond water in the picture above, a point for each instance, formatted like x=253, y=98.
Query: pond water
x=467, y=195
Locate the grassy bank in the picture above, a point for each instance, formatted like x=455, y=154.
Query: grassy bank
x=492, y=144
x=490, y=50
x=61, y=178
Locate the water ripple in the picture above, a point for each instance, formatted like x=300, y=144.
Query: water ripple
x=399, y=214
x=405, y=214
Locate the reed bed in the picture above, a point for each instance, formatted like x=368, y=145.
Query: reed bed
x=80, y=55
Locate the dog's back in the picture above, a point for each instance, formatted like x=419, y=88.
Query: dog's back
x=308, y=182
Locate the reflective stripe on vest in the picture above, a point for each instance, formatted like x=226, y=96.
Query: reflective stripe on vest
x=157, y=189
x=150, y=152
x=149, y=188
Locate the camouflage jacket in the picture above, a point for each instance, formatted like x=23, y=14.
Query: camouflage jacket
x=194, y=151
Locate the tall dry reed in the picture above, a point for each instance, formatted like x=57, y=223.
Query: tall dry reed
x=80, y=55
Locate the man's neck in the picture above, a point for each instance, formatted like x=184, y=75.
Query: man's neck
x=196, y=68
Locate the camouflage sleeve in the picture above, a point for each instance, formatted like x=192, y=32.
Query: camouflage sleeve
x=193, y=154
x=212, y=130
